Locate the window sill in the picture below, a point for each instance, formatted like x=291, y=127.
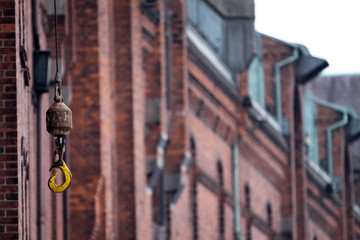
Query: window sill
x=321, y=178
x=320, y=175
x=267, y=123
x=266, y=116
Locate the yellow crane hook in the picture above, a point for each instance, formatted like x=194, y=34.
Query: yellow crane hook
x=67, y=174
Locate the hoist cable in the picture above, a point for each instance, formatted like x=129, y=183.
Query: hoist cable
x=56, y=39
x=58, y=92
x=23, y=22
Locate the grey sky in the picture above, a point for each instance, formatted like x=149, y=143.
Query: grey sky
x=329, y=28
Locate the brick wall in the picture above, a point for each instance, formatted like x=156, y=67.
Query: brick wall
x=182, y=216
x=263, y=159
x=207, y=217
x=107, y=116
x=133, y=212
x=178, y=88
x=84, y=140
x=331, y=211
x=211, y=119
x=9, y=152
x=116, y=65
x=325, y=118
x=297, y=174
x=273, y=52
x=315, y=231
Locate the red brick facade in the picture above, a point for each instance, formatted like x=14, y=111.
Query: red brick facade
x=11, y=200
x=165, y=134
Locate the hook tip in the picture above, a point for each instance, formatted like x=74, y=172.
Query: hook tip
x=67, y=175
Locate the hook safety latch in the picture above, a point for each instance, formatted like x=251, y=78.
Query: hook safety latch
x=67, y=175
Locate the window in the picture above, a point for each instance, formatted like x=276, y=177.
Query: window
x=193, y=199
x=266, y=93
x=319, y=122
x=256, y=75
x=248, y=206
x=269, y=214
x=210, y=25
x=221, y=201
x=230, y=38
x=247, y=196
x=310, y=127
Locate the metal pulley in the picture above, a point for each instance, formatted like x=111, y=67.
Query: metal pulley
x=59, y=118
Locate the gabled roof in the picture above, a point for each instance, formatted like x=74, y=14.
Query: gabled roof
x=308, y=66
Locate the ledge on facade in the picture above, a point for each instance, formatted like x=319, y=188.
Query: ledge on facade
x=227, y=88
x=322, y=179
x=268, y=124
x=319, y=175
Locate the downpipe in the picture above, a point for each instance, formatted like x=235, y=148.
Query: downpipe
x=329, y=131
x=278, y=66
x=235, y=158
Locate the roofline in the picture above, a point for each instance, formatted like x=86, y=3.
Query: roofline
x=341, y=75
x=340, y=108
x=303, y=52
x=293, y=45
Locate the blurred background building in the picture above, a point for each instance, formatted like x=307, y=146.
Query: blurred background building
x=188, y=124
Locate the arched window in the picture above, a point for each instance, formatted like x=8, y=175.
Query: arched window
x=248, y=207
x=269, y=214
x=247, y=196
x=221, y=200
x=194, y=190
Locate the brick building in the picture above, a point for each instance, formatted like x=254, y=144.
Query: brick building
x=342, y=89
x=188, y=124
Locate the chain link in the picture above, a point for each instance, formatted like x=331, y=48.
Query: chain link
x=59, y=148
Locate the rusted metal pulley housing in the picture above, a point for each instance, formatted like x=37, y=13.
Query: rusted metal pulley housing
x=59, y=119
